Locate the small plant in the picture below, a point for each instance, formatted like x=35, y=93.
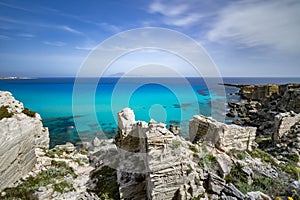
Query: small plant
x=28, y=112
x=275, y=186
x=241, y=155
x=176, y=143
x=63, y=186
x=106, y=185
x=193, y=148
x=264, y=156
x=53, y=175
x=4, y=112
x=81, y=161
x=208, y=160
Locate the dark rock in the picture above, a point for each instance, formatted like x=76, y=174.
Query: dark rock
x=216, y=184
x=231, y=190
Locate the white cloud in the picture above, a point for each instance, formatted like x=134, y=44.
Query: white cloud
x=178, y=13
x=14, y=7
x=69, y=29
x=184, y=21
x=86, y=48
x=259, y=23
x=167, y=10
x=56, y=43
x=26, y=35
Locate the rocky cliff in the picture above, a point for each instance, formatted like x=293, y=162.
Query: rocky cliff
x=259, y=92
x=154, y=163
x=21, y=131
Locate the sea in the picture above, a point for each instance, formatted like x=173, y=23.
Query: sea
x=77, y=110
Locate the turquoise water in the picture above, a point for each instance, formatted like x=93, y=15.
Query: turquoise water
x=167, y=100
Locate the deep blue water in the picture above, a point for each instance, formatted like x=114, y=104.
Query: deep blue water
x=168, y=100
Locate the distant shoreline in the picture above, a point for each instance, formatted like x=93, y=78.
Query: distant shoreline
x=15, y=78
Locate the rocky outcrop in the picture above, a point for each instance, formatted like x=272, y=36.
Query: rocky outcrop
x=59, y=173
x=163, y=165
x=19, y=136
x=259, y=92
x=168, y=170
x=261, y=103
x=224, y=137
x=283, y=124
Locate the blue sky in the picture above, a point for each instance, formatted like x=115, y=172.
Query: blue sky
x=243, y=38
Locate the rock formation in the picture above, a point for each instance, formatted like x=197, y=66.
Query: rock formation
x=154, y=163
x=259, y=92
x=283, y=124
x=19, y=136
x=224, y=137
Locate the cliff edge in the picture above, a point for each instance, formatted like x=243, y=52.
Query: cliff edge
x=21, y=131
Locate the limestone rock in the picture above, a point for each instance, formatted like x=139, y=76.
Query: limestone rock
x=19, y=136
x=283, y=123
x=220, y=135
x=126, y=118
x=163, y=158
x=96, y=142
x=257, y=196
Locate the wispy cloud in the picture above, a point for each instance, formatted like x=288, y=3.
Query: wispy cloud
x=15, y=7
x=56, y=43
x=44, y=25
x=69, y=29
x=85, y=48
x=176, y=13
x=167, y=10
x=259, y=23
x=4, y=37
x=26, y=35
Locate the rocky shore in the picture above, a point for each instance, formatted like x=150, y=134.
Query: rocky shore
x=255, y=158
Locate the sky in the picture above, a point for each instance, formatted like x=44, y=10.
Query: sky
x=244, y=38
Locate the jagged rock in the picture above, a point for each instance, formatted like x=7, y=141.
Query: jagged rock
x=231, y=113
x=126, y=118
x=216, y=184
x=223, y=136
x=174, y=129
x=163, y=157
x=225, y=164
x=231, y=190
x=283, y=123
x=20, y=135
x=257, y=196
x=96, y=142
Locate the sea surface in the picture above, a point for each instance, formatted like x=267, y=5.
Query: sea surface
x=92, y=109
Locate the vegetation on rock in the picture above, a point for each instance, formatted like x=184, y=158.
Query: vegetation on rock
x=4, y=112
x=54, y=176
x=107, y=187
x=28, y=112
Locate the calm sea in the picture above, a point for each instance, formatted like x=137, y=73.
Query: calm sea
x=168, y=100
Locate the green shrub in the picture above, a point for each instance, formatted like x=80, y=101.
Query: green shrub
x=106, y=185
x=63, y=186
x=241, y=155
x=193, y=148
x=208, y=160
x=176, y=143
x=4, y=112
x=263, y=155
x=261, y=183
x=81, y=161
x=28, y=112
x=53, y=175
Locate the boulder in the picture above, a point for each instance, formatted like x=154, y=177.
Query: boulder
x=222, y=136
x=257, y=195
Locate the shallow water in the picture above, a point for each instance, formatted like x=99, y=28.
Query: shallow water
x=168, y=100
